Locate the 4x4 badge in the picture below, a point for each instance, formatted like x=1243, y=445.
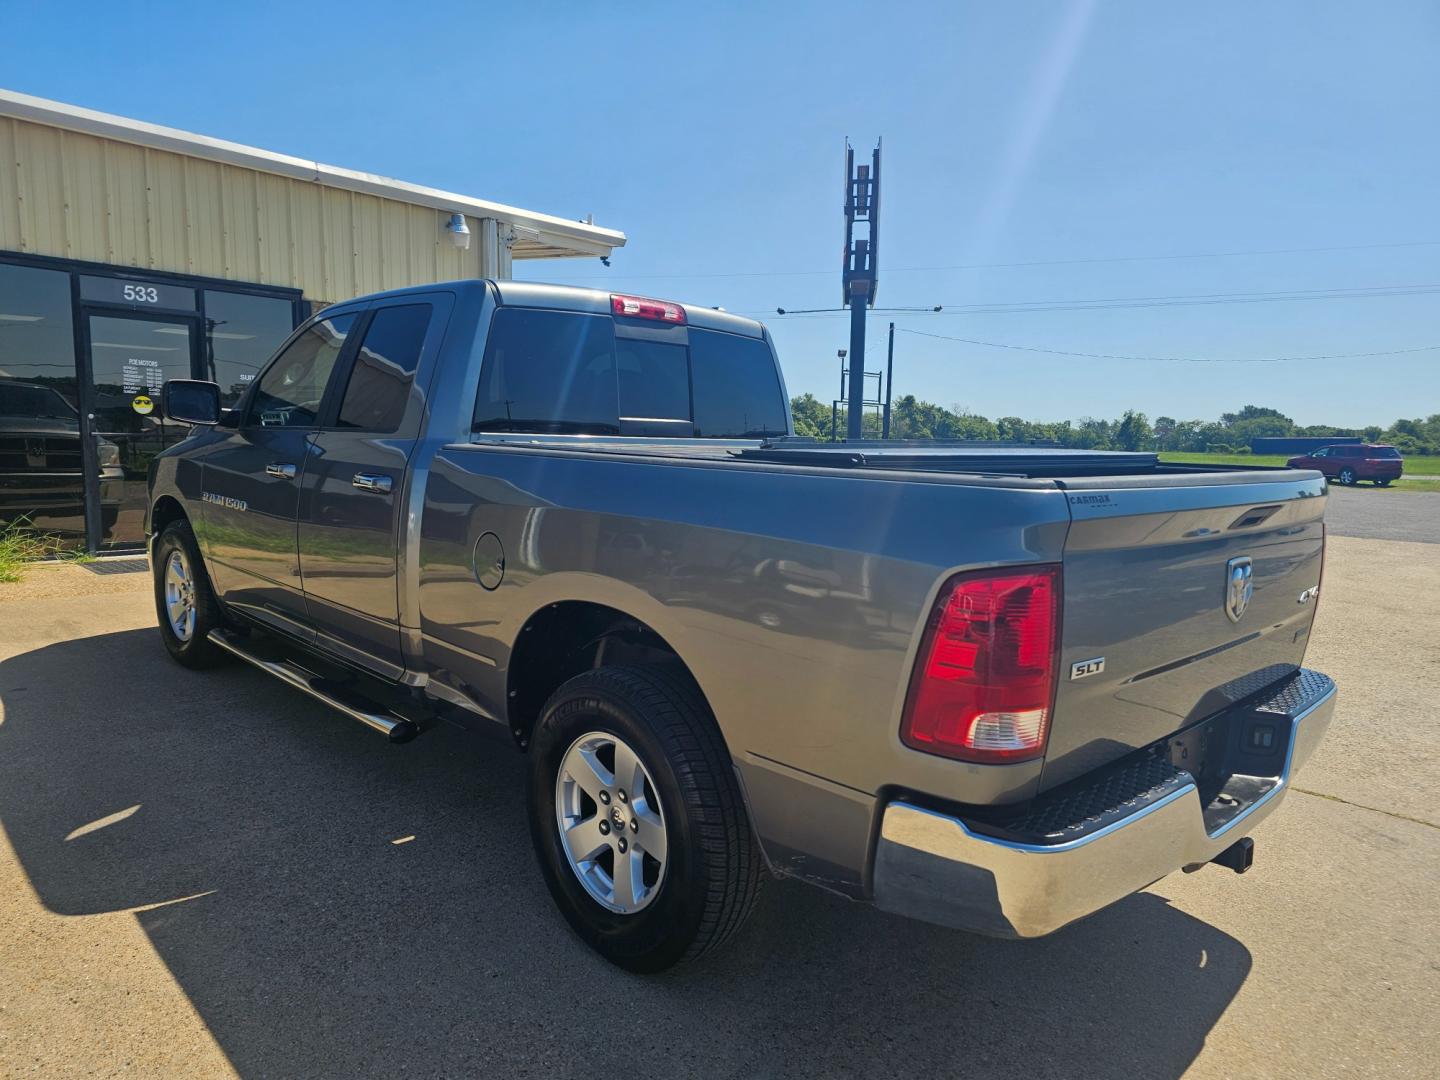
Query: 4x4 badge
x=1239, y=586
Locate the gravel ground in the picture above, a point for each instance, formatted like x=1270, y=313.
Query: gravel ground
x=1384, y=514
x=199, y=877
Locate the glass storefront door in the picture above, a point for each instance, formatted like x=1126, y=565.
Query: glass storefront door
x=130, y=359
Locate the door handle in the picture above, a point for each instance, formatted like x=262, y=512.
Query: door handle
x=372, y=482
x=281, y=469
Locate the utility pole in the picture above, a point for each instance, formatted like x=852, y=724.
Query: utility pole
x=889, y=378
x=858, y=274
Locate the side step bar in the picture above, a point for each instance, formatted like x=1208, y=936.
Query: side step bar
x=396, y=728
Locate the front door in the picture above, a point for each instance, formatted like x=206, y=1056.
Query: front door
x=252, y=480
x=130, y=359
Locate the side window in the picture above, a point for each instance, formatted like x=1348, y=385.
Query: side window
x=548, y=371
x=379, y=385
x=292, y=387
x=737, y=390
x=1322, y=452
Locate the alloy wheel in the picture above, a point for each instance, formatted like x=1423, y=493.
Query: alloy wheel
x=180, y=596
x=610, y=822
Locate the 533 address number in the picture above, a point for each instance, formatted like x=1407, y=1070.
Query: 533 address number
x=141, y=294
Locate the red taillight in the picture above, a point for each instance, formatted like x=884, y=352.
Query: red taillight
x=638, y=307
x=984, y=679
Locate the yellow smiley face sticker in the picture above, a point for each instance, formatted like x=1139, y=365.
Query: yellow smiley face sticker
x=142, y=404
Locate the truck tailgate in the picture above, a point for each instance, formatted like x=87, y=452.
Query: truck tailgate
x=1151, y=565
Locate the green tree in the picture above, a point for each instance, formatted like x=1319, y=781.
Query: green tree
x=812, y=416
x=1133, y=432
x=1165, y=427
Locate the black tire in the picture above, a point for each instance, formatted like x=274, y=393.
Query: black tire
x=1347, y=476
x=1382, y=483
x=713, y=863
x=197, y=650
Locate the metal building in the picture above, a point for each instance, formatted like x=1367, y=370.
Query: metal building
x=132, y=253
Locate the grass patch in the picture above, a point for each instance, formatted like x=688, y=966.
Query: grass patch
x=20, y=544
x=1421, y=473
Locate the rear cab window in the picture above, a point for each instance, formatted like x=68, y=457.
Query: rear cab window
x=565, y=372
x=548, y=372
x=1383, y=452
x=737, y=387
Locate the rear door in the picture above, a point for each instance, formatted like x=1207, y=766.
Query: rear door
x=354, y=491
x=252, y=478
x=1178, y=601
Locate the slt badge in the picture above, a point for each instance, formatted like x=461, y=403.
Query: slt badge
x=1239, y=586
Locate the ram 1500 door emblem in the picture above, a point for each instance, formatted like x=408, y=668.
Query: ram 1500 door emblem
x=224, y=500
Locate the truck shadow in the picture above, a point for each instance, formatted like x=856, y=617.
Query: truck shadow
x=315, y=939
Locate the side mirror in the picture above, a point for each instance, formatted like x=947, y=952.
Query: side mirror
x=191, y=401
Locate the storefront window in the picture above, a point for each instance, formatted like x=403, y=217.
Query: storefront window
x=243, y=332
x=41, y=480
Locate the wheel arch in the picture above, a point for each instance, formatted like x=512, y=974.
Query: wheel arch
x=565, y=638
x=163, y=511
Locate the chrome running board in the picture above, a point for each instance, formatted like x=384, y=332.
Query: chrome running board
x=396, y=728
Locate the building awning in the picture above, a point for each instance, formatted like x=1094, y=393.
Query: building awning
x=533, y=235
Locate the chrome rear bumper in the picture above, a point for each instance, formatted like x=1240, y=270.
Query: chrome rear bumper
x=936, y=867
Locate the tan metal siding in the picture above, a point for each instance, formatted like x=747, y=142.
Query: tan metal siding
x=72, y=195
x=9, y=182
x=82, y=161
x=127, y=206
x=168, y=220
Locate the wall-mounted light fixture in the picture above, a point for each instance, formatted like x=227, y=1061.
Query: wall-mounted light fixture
x=459, y=232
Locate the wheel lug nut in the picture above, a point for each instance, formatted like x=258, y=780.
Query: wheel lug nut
x=621, y=795
x=604, y=828
x=605, y=797
x=623, y=845
x=634, y=824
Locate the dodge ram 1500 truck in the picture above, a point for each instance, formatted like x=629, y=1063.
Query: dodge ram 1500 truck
x=992, y=687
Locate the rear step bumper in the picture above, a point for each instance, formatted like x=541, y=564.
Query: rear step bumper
x=396, y=728
x=1096, y=841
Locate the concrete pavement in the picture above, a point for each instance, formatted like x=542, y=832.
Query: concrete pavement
x=200, y=874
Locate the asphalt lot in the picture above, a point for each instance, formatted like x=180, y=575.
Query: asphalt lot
x=1383, y=513
x=199, y=876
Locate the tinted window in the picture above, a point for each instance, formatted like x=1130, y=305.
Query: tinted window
x=243, y=332
x=1320, y=453
x=290, y=391
x=384, y=368
x=39, y=424
x=1383, y=452
x=737, y=390
x=654, y=380
x=548, y=371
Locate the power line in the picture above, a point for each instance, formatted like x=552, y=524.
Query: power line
x=1031, y=263
x=1177, y=300
x=1182, y=359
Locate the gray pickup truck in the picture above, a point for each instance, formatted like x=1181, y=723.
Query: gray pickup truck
x=996, y=688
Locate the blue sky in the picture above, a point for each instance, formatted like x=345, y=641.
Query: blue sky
x=1034, y=132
